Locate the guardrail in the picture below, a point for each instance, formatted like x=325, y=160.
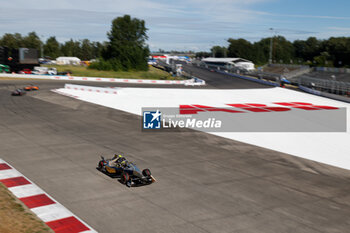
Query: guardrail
x=333, y=70
x=262, y=81
x=289, y=66
x=288, y=75
x=325, y=94
x=330, y=86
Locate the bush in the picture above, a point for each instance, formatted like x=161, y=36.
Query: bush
x=101, y=65
x=116, y=65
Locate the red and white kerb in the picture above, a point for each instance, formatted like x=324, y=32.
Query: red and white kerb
x=55, y=215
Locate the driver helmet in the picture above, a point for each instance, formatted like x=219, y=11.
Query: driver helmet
x=124, y=163
x=120, y=158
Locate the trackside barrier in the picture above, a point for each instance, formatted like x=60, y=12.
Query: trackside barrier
x=55, y=215
x=250, y=79
x=97, y=79
x=105, y=90
x=333, y=70
x=324, y=94
x=336, y=87
x=309, y=90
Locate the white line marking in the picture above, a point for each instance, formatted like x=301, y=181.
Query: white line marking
x=52, y=212
x=26, y=190
x=92, y=231
x=10, y=173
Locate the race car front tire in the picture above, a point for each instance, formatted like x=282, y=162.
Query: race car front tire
x=146, y=172
x=125, y=178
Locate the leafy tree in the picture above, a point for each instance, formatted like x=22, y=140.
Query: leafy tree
x=86, y=50
x=97, y=49
x=339, y=50
x=12, y=41
x=283, y=50
x=323, y=59
x=52, y=48
x=77, y=50
x=67, y=48
x=262, y=51
x=32, y=40
x=307, y=49
x=241, y=48
x=219, y=51
x=203, y=54
x=127, y=47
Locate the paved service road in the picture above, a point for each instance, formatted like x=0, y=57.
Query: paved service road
x=221, y=81
x=204, y=183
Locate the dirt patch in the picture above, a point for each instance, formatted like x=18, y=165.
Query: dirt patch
x=15, y=217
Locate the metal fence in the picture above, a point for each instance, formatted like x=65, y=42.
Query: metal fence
x=333, y=70
x=225, y=68
x=299, y=70
x=257, y=73
x=330, y=86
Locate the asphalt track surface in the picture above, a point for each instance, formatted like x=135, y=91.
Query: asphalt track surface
x=204, y=183
x=213, y=81
x=221, y=81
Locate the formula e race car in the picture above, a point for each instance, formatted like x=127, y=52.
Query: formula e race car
x=31, y=87
x=18, y=92
x=129, y=173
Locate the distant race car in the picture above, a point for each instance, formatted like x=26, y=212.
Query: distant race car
x=18, y=92
x=31, y=88
x=25, y=71
x=4, y=69
x=129, y=173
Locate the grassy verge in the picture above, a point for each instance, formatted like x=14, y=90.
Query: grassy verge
x=15, y=217
x=83, y=71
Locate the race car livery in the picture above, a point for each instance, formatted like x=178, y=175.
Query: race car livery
x=129, y=173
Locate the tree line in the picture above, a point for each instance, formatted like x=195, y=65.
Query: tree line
x=83, y=49
x=333, y=52
x=125, y=50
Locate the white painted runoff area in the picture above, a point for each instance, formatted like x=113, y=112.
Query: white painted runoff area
x=329, y=148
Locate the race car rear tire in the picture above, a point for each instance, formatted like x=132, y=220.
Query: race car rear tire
x=125, y=178
x=146, y=172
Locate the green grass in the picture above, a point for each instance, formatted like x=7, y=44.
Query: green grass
x=83, y=71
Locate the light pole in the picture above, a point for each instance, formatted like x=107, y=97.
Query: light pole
x=42, y=47
x=270, y=57
x=41, y=50
x=213, y=49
